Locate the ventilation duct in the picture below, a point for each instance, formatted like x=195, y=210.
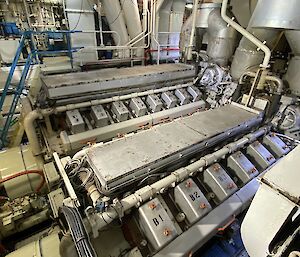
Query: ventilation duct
x=277, y=14
x=221, y=39
x=133, y=22
x=247, y=56
x=176, y=20
x=116, y=21
x=213, y=30
x=163, y=25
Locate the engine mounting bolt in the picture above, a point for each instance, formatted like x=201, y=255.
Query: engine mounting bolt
x=152, y=206
x=230, y=186
x=203, y=205
x=167, y=232
x=216, y=167
x=189, y=184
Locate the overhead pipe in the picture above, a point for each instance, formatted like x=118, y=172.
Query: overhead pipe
x=221, y=39
x=154, y=28
x=29, y=126
x=147, y=27
x=194, y=19
x=159, y=4
x=292, y=75
x=133, y=22
x=117, y=210
x=247, y=34
x=132, y=17
x=176, y=22
x=115, y=19
x=162, y=22
x=201, y=27
x=277, y=14
x=294, y=254
x=261, y=73
x=145, y=19
x=116, y=22
x=247, y=55
x=269, y=19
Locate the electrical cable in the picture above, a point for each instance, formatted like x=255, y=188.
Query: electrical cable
x=117, y=15
x=77, y=23
x=78, y=232
x=26, y=172
x=287, y=137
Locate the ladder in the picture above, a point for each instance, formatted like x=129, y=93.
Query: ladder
x=17, y=91
x=32, y=58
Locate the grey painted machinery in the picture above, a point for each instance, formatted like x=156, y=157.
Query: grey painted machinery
x=156, y=160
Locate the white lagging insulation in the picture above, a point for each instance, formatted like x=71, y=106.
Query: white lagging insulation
x=169, y=20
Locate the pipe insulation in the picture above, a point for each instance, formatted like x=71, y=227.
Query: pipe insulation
x=29, y=127
x=117, y=209
x=176, y=21
x=292, y=76
x=247, y=55
x=269, y=18
x=277, y=14
x=116, y=22
x=278, y=82
x=221, y=39
x=193, y=29
x=163, y=27
x=247, y=36
x=294, y=254
x=133, y=22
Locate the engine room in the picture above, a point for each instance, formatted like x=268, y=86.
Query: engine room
x=138, y=128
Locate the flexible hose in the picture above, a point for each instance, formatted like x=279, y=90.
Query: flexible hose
x=26, y=172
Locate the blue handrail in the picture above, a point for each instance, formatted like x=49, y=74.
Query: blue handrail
x=35, y=53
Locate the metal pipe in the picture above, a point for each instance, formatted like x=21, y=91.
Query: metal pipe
x=100, y=23
x=30, y=130
x=132, y=18
x=114, y=99
x=221, y=39
x=276, y=80
x=154, y=38
x=294, y=254
x=247, y=34
x=145, y=193
x=115, y=19
x=191, y=43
